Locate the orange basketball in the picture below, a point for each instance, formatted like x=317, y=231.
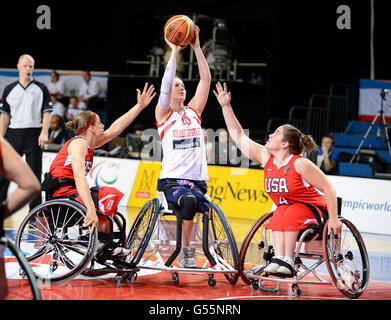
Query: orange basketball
x=179, y=30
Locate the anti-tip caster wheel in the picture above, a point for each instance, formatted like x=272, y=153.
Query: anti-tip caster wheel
x=254, y=285
x=175, y=278
x=133, y=278
x=296, y=290
x=211, y=280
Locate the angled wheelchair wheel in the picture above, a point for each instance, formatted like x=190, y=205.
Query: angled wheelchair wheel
x=141, y=230
x=255, y=247
x=224, y=241
x=347, y=259
x=25, y=271
x=54, y=241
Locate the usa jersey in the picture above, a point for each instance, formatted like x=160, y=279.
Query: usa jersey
x=184, y=153
x=62, y=166
x=286, y=186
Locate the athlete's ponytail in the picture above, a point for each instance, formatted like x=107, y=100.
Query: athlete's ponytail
x=80, y=122
x=298, y=141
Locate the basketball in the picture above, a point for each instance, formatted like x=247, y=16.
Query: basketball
x=179, y=30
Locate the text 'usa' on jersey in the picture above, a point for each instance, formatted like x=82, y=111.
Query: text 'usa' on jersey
x=285, y=185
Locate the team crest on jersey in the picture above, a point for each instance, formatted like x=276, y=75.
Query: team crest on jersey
x=286, y=169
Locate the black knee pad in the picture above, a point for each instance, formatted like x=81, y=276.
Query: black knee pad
x=188, y=206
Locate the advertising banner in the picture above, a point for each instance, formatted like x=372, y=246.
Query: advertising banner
x=370, y=99
x=145, y=184
x=365, y=202
x=239, y=192
x=114, y=172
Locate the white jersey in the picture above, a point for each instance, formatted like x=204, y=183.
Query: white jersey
x=184, y=154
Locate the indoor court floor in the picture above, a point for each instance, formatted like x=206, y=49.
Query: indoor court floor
x=158, y=285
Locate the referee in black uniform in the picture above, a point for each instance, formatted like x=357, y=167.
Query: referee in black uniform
x=25, y=119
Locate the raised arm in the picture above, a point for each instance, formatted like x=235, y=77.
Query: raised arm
x=143, y=100
x=251, y=149
x=201, y=96
x=163, y=106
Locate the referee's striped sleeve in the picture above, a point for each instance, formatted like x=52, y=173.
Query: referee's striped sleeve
x=4, y=106
x=47, y=105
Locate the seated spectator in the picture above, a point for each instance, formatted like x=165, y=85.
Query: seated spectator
x=57, y=132
x=225, y=150
x=74, y=108
x=89, y=90
x=57, y=87
x=58, y=107
x=209, y=147
x=327, y=160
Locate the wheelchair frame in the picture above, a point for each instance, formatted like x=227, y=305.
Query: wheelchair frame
x=56, y=241
x=255, y=276
x=214, y=262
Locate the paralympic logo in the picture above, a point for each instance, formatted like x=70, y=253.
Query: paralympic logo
x=101, y=174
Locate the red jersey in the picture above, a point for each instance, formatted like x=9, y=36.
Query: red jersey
x=62, y=166
x=286, y=186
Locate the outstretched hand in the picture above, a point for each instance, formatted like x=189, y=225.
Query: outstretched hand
x=145, y=98
x=195, y=42
x=222, y=95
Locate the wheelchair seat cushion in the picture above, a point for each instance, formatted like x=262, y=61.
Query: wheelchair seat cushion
x=108, y=199
x=175, y=188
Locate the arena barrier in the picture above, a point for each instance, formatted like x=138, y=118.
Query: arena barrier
x=240, y=192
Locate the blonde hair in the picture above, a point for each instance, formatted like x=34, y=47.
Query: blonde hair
x=298, y=141
x=80, y=121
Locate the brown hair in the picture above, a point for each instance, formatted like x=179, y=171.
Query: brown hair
x=298, y=141
x=79, y=121
x=329, y=137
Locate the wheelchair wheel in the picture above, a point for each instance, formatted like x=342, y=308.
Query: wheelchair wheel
x=224, y=241
x=347, y=259
x=119, y=230
x=25, y=271
x=141, y=230
x=255, y=245
x=54, y=241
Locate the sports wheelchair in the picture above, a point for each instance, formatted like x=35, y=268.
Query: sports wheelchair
x=345, y=256
x=58, y=246
x=156, y=235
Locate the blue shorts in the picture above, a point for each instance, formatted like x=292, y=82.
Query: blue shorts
x=181, y=187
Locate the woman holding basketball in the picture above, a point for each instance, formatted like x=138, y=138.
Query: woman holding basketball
x=292, y=181
x=184, y=167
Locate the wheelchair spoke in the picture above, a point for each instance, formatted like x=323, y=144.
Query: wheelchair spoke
x=347, y=260
x=38, y=220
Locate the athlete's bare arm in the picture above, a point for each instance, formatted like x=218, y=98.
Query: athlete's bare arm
x=16, y=170
x=201, y=96
x=78, y=149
